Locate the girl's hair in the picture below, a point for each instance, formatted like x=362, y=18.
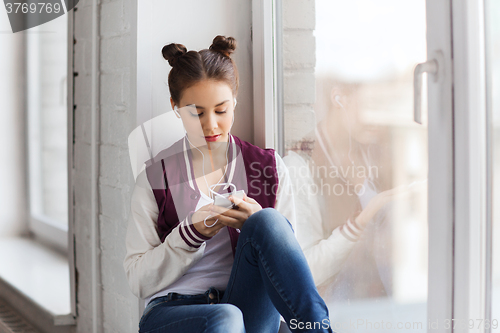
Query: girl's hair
x=188, y=68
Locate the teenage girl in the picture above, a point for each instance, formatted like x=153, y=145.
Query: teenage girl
x=202, y=267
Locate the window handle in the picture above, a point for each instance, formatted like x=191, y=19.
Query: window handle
x=431, y=67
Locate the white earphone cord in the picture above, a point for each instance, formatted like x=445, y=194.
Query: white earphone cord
x=214, y=185
x=210, y=191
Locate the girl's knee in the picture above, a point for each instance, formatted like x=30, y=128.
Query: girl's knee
x=229, y=318
x=268, y=220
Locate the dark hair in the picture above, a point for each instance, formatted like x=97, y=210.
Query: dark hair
x=188, y=68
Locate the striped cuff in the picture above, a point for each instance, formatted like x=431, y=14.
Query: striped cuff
x=351, y=230
x=189, y=233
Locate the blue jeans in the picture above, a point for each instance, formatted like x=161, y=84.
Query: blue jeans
x=270, y=276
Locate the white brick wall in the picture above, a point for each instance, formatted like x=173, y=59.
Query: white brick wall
x=117, y=119
x=299, y=14
x=299, y=60
x=299, y=86
x=299, y=49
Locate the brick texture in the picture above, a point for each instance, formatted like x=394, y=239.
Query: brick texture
x=299, y=60
x=120, y=307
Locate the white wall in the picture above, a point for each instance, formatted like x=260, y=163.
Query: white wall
x=193, y=24
x=116, y=118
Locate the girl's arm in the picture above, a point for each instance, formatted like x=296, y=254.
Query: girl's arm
x=151, y=265
x=325, y=254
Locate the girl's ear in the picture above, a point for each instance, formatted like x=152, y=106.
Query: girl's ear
x=174, y=108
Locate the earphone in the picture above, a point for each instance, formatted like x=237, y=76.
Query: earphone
x=337, y=97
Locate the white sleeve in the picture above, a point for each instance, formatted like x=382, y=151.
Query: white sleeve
x=325, y=254
x=285, y=203
x=151, y=265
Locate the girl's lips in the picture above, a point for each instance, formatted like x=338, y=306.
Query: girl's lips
x=212, y=138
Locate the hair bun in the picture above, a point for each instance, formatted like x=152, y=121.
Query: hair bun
x=172, y=52
x=224, y=45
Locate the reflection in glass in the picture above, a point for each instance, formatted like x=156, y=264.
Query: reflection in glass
x=361, y=186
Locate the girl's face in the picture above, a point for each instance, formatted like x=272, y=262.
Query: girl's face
x=207, y=110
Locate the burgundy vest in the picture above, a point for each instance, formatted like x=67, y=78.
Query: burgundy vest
x=167, y=174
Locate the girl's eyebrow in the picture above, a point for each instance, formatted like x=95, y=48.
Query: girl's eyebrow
x=203, y=108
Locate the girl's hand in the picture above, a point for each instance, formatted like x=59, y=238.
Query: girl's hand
x=198, y=218
x=382, y=198
x=237, y=216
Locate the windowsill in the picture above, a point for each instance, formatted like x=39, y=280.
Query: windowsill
x=35, y=281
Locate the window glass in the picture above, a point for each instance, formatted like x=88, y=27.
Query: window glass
x=47, y=119
x=351, y=145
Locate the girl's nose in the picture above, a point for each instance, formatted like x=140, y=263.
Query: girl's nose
x=210, y=122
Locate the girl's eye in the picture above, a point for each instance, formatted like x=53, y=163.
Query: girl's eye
x=201, y=114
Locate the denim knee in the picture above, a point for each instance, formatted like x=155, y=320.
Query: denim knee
x=267, y=220
x=228, y=318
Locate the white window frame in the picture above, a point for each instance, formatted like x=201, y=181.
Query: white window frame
x=489, y=168
x=473, y=209
x=265, y=76
x=441, y=164
x=71, y=248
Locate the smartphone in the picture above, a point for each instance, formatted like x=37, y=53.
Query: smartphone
x=225, y=202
